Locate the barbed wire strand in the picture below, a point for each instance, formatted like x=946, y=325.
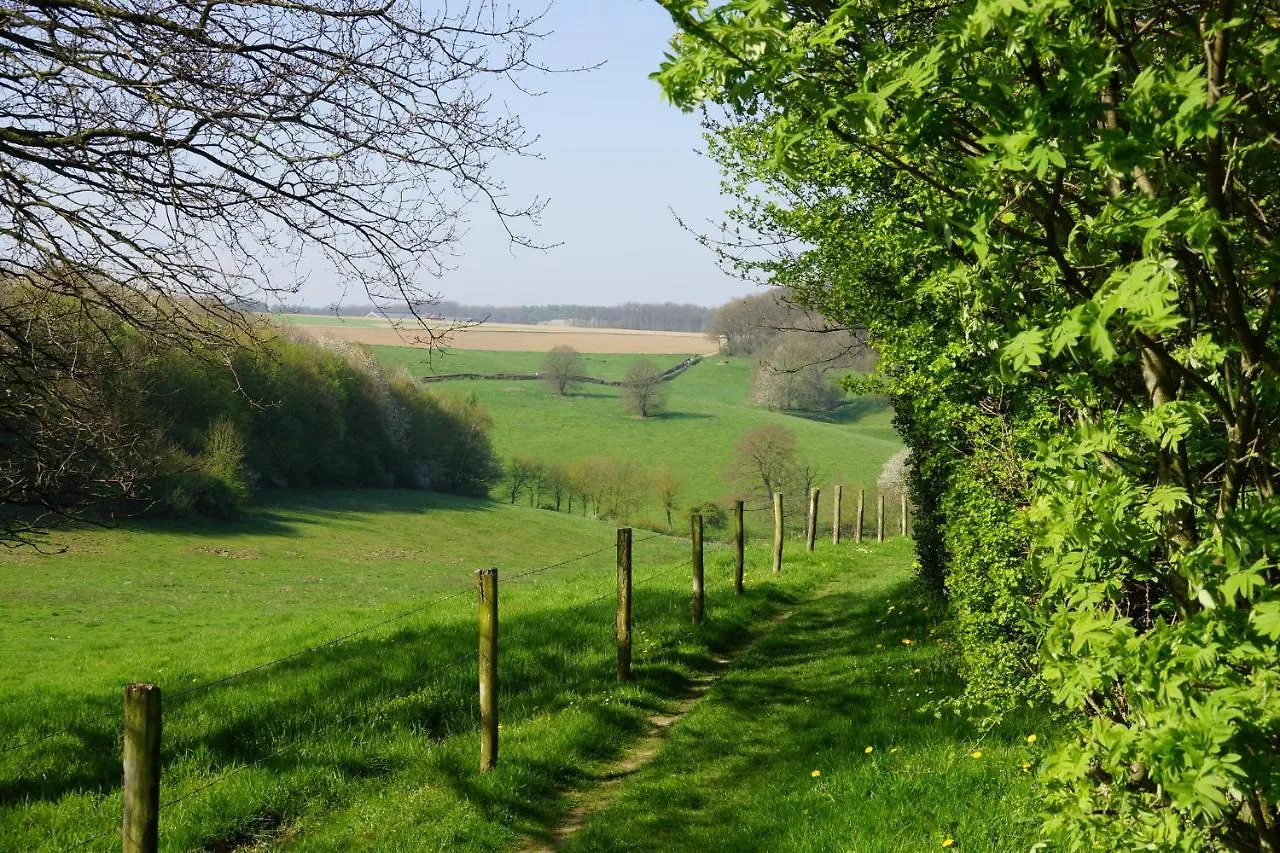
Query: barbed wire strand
x=187, y=691
x=365, y=711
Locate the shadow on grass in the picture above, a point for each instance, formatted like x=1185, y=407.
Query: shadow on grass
x=848, y=412
x=342, y=702
x=286, y=512
x=770, y=718
x=683, y=416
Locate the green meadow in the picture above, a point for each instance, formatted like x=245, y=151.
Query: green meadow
x=708, y=411
x=318, y=663
x=370, y=743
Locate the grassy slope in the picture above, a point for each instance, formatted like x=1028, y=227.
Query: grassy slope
x=421, y=362
x=366, y=745
x=833, y=690
x=707, y=414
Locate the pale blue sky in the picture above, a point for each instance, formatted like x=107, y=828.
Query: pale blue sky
x=617, y=160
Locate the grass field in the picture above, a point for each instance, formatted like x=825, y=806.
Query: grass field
x=600, y=365
x=370, y=744
x=866, y=765
x=511, y=337
x=707, y=413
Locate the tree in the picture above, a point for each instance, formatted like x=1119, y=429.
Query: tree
x=161, y=166
x=521, y=474
x=643, y=391
x=556, y=478
x=1057, y=223
x=894, y=475
x=801, y=370
x=765, y=456
x=561, y=368
x=667, y=485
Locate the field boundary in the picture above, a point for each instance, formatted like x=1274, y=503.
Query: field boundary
x=666, y=376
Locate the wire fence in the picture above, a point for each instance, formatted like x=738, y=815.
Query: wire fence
x=185, y=692
x=374, y=708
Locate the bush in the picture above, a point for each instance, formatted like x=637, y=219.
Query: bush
x=713, y=515
x=298, y=412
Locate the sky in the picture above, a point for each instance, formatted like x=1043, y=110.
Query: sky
x=618, y=164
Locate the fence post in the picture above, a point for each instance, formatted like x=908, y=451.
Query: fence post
x=696, y=530
x=902, y=518
x=624, y=603
x=777, y=533
x=487, y=587
x=140, y=830
x=835, y=516
x=739, y=547
x=862, y=515
x=811, y=532
x=880, y=517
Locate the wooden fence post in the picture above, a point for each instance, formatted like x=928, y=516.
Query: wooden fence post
x=624, y=603
x=777, y=533
x=739, y=547
x=880, y=517
x=140, y=830
x=835, y=516
x=902, y=518
x=487, y=587
x=862, y=515
x=811, y=532
x=696, y=529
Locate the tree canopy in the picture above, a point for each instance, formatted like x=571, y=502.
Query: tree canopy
x=1056, y=220
x=162, y=162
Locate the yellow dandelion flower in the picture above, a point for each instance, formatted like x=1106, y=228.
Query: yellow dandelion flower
x=977, y=753
x=1031, y=738
x=906, y=641
x=815, y=774
x=1026, y=766
x=879, y=645
x=869, y=750
x=915, y=671
x=950, y=842
x=895, y=749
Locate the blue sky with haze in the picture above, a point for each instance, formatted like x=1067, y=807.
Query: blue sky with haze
x=616, y=162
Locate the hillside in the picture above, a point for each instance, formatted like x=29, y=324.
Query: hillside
x=319, y=667
x=707, y=413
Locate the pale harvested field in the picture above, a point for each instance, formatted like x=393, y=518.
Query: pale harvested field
x=509, y=337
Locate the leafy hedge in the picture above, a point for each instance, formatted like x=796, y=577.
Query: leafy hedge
x=289, y=411
x=1057, y=221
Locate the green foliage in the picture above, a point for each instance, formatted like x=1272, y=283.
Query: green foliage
x=1056, y=221
x=714, y=516
x=292, y=411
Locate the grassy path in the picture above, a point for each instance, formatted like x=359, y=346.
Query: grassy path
x=821, y=737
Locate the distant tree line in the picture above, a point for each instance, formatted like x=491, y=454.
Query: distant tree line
x=661, y=317
x=606, y=487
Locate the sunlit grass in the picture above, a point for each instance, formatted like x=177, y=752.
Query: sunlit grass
x=708, y=412
x=833, y=734
x=369, y=744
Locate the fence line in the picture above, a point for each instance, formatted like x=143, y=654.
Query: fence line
x=369, y=709
x=375, y=708
x=235, y=676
